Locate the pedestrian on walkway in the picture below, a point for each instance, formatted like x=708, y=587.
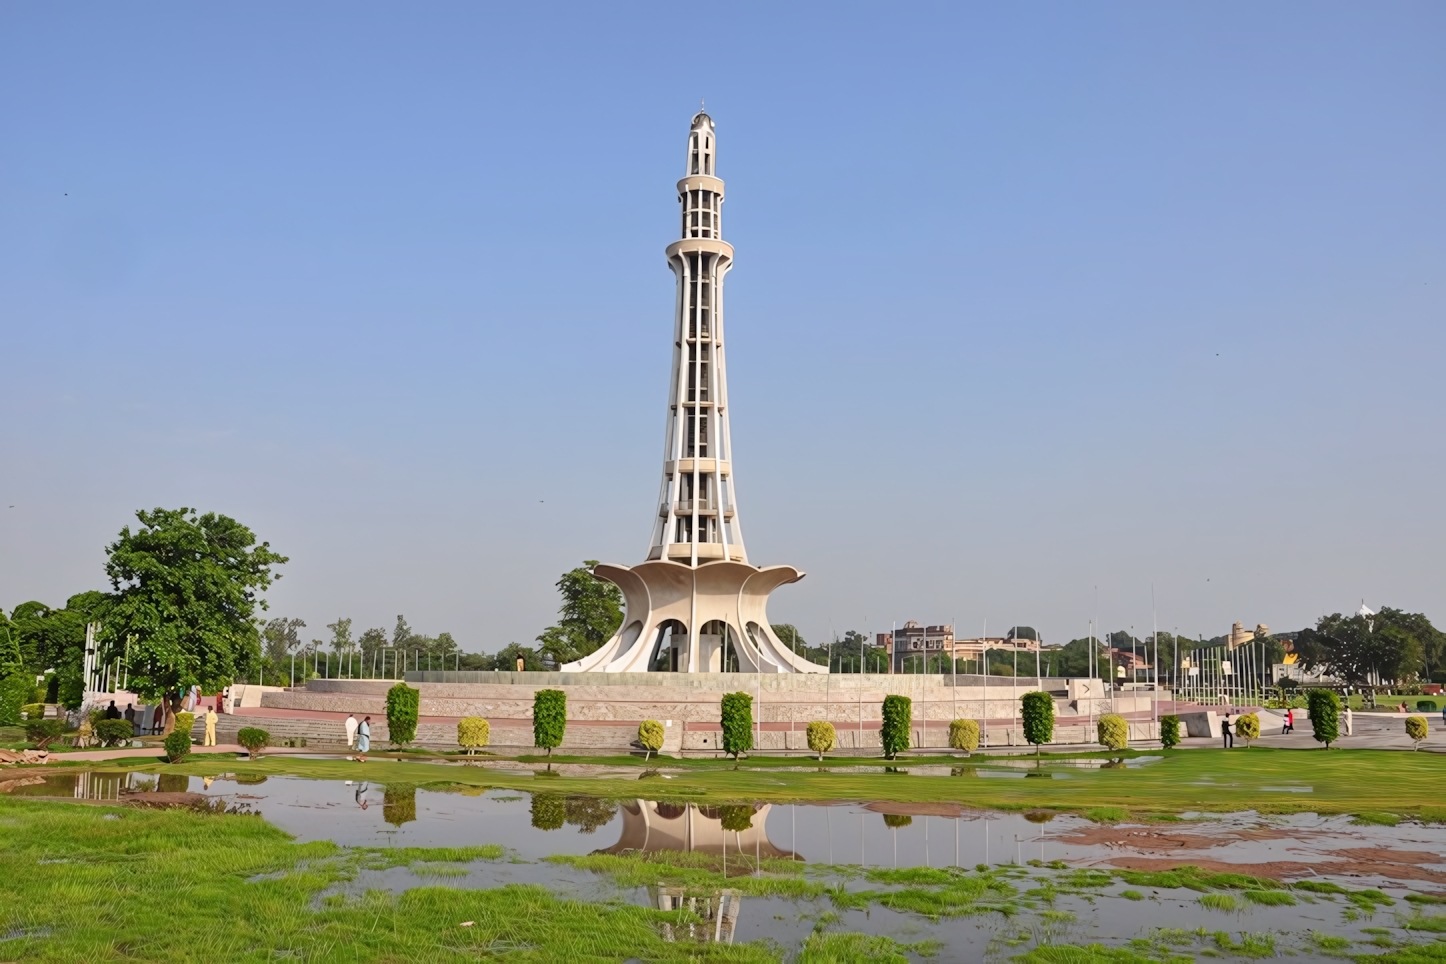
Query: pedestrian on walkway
x=130, y=714
x=158, y=719
x=1227, y=732
x=363, y=739
x=1349, y=723
x=351, y=725
x=210, y=727
x=1289, y=726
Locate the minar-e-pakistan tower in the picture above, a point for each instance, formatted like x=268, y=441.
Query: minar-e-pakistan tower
x=696, y=605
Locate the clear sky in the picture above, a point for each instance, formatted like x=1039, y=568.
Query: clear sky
x=1030, y=299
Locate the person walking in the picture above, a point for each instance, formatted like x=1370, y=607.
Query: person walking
x=363, y=739
x=210, y=727
x=130, y=714
x=1227, y=732
x=351, y=725
x=1289, y=726
x=158, y=719
x=1350, y=723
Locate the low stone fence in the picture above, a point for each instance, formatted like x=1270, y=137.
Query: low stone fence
x=604, y=710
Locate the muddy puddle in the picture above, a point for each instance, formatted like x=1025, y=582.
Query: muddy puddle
x=856, y=847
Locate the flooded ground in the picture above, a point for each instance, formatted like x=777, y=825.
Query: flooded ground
x=872, y=848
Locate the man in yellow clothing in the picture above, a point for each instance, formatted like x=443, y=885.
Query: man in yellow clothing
x=210, y=726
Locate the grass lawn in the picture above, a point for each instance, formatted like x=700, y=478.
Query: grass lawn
x=1340, y=781
x=118, y=884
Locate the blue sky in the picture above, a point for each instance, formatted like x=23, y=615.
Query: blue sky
x=1031, y=301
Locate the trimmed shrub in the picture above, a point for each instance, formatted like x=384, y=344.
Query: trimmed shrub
x=1113, y=731
x=1169, y=731
x=42, y=732
x=1416, y=729
x=549, y=719
x=185, y=722
x=1324, y=707
x=549, y=811
x=114, y=732
x=36, y=711
x=1038, y=711
x=735, y=817
x=736, y=714
x=254, y=739
x=473, y=732
x=1426, y=706
x=403, y=705
x=177, y=745
x=650, y=735
x=964, y=735
x=821, y=737
x=1247, y=727
x=898, y=714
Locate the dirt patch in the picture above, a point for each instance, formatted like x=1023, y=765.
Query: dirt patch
x=1169, y=839
x=1294, y=869
x=918, y=809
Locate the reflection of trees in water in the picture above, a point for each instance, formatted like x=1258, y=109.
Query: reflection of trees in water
x=736, y=817
x=250, y=779
x=897, y=820
x=399, y=804
x=174, y=783
x=549, y=811
x=589, y=813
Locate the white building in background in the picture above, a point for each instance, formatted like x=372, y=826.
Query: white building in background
x=697, y=605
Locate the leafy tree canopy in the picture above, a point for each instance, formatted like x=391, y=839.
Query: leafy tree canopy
x=187, y=590
x=1391, y=645
x=592, y=610
x=280, y=639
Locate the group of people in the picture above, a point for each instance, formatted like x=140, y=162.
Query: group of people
x=1227, y=729
x=151, y=720
x=359, y=735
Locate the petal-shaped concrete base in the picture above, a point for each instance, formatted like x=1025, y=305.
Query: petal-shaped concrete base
x=682, y=619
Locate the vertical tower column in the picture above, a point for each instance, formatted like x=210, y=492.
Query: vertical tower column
x=697, y=514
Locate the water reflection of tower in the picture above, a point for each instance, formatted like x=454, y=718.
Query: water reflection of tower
x=741, y=832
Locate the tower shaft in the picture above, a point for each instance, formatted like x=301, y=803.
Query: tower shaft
x=697, y=521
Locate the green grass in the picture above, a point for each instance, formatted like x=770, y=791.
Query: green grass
x=101, y=883
x=1375, y=818
x=1270, y=898
x=1344, y=781
x=1225, y=902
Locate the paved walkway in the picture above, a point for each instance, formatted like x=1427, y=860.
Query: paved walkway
x=1369, y=731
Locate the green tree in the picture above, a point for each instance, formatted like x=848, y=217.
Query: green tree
x=54, y=639
x=187, y=590
x=898, y=718
x=964, y=735
x=650, y=735
x=549, y=719
x=279, y=639
x=1392, y=645
x=592, y=610
x=403, y=706
x=789, y=636
x=821, y=737
x=1169, y=731
x=341, y=641
x=507, y=657
x=736, y=715
x=1038, y=711
x=1324, y=709
x=372, y=644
